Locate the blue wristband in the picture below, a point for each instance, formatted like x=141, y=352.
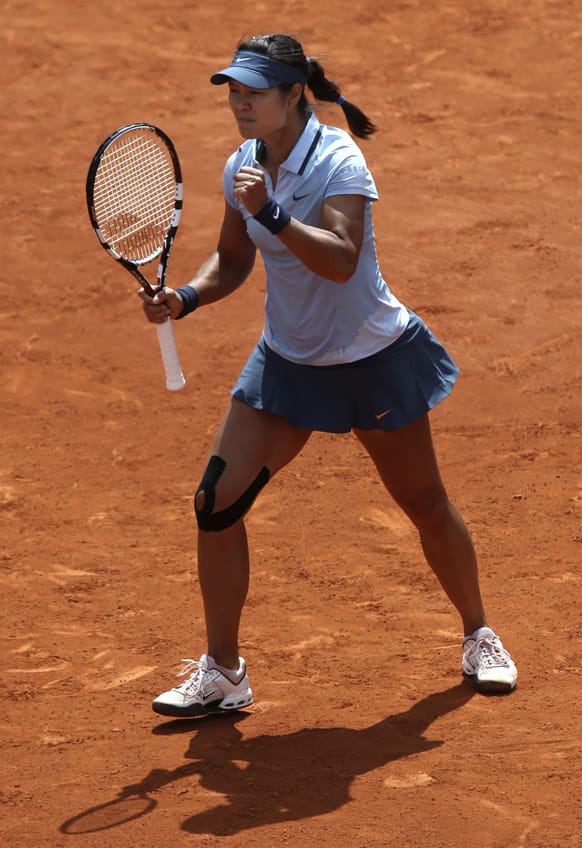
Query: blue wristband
x=190, y=301
x=273, y=217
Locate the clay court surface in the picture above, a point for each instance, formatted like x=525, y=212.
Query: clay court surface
x=363, y=733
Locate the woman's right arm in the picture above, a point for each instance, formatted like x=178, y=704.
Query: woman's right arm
x=222, y=273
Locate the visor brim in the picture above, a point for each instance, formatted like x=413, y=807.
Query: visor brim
x=246, y=76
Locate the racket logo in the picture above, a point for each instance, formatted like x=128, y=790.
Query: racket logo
x=119, y=223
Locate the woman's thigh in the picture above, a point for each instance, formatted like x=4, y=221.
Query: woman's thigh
x=407, y=464
x=248, y=440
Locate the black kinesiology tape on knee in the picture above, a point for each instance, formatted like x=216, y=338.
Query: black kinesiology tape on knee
x=209, y=521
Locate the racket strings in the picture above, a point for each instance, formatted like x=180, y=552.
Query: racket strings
x=134, y=196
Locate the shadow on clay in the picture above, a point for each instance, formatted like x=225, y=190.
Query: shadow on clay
x=268, y=779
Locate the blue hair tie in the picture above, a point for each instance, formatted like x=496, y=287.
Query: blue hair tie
x=341, y=100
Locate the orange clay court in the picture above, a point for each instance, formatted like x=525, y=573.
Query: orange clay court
x=363, y=734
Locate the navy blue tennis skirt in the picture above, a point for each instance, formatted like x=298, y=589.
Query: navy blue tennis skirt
x=385, y=391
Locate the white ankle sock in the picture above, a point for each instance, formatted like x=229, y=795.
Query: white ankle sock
x=481, y=631
x=234, y=674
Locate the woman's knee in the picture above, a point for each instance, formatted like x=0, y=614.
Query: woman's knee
x=237, y=503
x=428, y=506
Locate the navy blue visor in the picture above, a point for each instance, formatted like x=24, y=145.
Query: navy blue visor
x=258, y=71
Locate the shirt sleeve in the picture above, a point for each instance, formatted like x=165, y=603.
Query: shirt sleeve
x=352, y=176
x=228, y=181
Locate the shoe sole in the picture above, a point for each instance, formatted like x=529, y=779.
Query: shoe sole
x=490, y=687
x=197, y=709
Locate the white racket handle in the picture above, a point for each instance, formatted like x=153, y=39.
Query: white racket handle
x=174, y=377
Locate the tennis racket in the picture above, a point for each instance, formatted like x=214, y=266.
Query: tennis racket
x=134, y=197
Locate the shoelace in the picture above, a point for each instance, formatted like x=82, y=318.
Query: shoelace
x=195, y=682
x=491, y=653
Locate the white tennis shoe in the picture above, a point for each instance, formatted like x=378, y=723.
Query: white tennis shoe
x=487, y=663
x=208, y=689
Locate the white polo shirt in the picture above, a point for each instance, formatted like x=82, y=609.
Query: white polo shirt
x=310, y=319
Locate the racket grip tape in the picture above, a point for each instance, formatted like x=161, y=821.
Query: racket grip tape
x=174, y=377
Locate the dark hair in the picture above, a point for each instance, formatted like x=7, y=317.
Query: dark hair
x=287, y=49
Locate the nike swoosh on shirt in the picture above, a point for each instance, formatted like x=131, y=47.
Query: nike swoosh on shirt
x=382, y=414
x=299, y=196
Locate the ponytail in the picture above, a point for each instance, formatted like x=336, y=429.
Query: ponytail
x=325, y=89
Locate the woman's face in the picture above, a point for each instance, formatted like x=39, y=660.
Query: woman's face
x=260, y=112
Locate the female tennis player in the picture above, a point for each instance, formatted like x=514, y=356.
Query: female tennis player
x=338, y=353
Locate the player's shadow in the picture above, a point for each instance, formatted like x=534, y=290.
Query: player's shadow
x=275, y=778
x=268, y=779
